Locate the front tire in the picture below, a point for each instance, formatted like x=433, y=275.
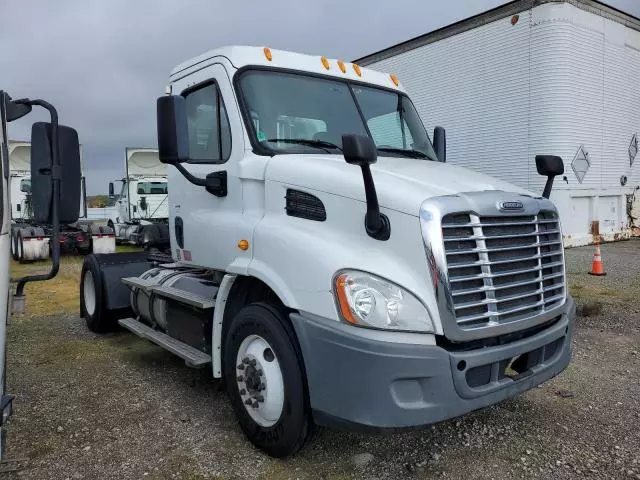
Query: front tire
x=265, y=380
x=92, y=307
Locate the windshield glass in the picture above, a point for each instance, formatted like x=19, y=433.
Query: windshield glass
x=25, y=185
x=151, y=188
x=296, y=113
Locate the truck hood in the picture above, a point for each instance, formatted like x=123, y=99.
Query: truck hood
x=402, y=184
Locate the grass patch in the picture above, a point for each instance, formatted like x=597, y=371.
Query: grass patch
x=57, y=296
x=127, y=248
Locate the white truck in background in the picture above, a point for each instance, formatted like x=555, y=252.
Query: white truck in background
x=30, y=240
x=327, y=263
x=142, y=205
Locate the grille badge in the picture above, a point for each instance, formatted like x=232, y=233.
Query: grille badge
x=510, y=206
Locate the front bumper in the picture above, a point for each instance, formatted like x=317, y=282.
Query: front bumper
x=363, y=383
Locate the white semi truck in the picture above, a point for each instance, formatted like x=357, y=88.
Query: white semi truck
x=327, y=263
x=54, y=163
x=30, y=240
x=142, y=206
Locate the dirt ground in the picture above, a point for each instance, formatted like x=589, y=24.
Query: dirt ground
x=116, y=407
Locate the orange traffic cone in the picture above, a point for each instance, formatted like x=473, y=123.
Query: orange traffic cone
x=597, y=267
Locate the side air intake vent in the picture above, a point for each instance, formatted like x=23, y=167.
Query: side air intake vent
x=304, y=205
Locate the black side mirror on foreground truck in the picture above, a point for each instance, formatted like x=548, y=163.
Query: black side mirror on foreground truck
x=440, y=143
x=549, y=166
x=173, y=137
x=360, y=150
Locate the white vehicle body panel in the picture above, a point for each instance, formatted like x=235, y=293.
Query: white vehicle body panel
x=564, y=76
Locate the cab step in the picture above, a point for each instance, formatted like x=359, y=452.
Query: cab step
x=192, y=356
x=181, y=296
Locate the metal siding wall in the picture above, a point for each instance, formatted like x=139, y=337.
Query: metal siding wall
x=476, y=85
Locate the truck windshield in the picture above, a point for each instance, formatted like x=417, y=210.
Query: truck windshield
x=297, y=113
x=151, y=188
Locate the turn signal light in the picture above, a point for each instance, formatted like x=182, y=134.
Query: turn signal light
x=243, y=245
x=345, y=309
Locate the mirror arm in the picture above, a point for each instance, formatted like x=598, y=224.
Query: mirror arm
x=55, y=176
x=376, y=223
x=200, y=182
x=547, y=187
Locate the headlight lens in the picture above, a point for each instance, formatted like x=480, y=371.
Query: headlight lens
x=370, y=301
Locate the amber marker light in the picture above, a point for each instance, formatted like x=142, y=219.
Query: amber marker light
x=243, y=244
x=342, y=299
x=325, y=62
x=267, y=53
x=394, y=79
x=342, y=67
x=356, y=68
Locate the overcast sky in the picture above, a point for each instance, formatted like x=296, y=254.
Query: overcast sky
x=104, y=63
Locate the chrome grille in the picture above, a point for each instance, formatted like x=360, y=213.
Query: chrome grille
x=503, y=268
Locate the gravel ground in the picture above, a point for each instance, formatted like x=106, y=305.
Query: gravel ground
x=118, y=407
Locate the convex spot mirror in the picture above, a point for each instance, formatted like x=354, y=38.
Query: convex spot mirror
x=173, y=136
x=359, y=150
x=549, y=165
x=42, y=169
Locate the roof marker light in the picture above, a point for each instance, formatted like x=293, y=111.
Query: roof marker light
x=325, y=62
x=356, y=68
x=267, y=53
x=394, y=79
x=342, y=67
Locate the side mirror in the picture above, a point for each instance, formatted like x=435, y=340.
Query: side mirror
x=173, y=137
x=42, y=170
x=549, y=166
x=440, y=143
x=112, y=192
x=359, y=150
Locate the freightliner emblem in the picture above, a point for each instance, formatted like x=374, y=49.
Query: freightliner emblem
x=510, y=206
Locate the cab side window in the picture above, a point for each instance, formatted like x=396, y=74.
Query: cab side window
x=208, y=125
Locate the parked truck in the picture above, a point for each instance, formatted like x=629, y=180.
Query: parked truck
x=30, y=240
x=54, y=163
x=142, y=206
x=531, y=76
x=326, y=262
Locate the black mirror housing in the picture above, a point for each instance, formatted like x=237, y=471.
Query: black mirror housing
x=440, y=143
x=112, y=192
x=549, y=165
x=359, y=150
x=173, y=137
x=42, y=173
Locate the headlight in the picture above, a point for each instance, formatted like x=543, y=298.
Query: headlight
x=370, y=301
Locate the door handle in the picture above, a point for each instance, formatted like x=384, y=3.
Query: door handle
x=216, y=183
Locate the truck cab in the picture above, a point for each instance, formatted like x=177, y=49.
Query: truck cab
x=328, y=263
x=142, y=207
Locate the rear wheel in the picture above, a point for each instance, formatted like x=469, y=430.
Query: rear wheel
x=265, y=380
x=20, y=247
x=92, y=307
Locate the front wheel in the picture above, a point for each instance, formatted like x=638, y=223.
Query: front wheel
x=265, y=380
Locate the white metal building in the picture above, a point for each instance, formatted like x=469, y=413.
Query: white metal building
x=534, y=77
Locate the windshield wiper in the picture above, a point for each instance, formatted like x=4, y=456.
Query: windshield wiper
x=406, y=152
x=311, y=143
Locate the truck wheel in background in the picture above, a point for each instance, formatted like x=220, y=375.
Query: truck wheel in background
x=14, y=244
x=150, y=235
x=20, y=247
x=92, y=307
x=265, y=380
